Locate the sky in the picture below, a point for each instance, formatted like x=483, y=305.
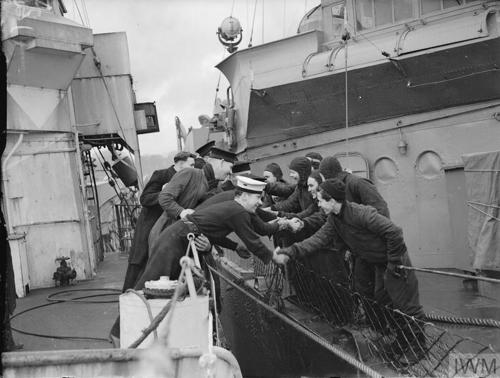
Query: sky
x=174, y=48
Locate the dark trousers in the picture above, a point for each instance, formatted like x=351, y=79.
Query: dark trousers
x=163, y=261
x=165, y=254
x=385, y=289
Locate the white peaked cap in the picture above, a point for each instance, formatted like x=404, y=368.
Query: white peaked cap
x=249, y=185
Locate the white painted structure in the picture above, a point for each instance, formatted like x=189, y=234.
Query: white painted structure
x=55, y=93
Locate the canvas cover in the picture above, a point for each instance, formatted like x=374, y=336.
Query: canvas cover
x=482, y=177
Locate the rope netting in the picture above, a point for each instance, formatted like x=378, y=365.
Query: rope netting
x=391, y=338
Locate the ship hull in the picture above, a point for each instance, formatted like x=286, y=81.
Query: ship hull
x=419, y=83
x=266, y=346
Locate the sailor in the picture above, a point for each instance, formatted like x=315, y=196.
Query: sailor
x=315, y=159
x=358, y=189
x=239, y=168
x=260, y=222
x=274, y=176
x=150, y=215
x=203, y=151
x=215, y=222
x=221, y=162
x=300, y=199
x=151, y=211
x=376, y=241
x=189, y=188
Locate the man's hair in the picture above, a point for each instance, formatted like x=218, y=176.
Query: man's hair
x=183, y=156
x=316, y=176
x=238, y=192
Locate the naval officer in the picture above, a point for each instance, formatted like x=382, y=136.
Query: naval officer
x=215, y=222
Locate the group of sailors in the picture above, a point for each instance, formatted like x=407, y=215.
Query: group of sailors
x=321, y=210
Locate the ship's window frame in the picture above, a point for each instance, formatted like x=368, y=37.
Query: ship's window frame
x=443, y=6
x=417, y=12
x=393, y=21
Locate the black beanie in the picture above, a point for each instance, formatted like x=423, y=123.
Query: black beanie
x=330, y=167
x=335, y=188
x=302, y=166
x=275, y=169
x=314, y=155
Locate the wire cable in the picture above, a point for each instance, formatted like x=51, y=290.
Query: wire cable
x=78, y=9
x=253, y=24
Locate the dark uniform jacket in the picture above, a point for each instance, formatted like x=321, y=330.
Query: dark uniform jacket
x=362, y=230
x=298, y=201
x=358, y=190
x=260, y=227
x=280, y=189
x=361, y=190
x=218, y=220
x=184, y=191
x=150, y=212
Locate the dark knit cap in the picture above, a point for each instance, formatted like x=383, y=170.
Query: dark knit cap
x=335, y=188
x=330, y=167
x=275, y=169
x=314, y=155
x=302, y=166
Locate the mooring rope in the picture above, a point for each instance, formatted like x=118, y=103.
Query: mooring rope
x=463, y=320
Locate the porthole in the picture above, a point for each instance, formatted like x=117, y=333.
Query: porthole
x=385, y=170
x=429, y=165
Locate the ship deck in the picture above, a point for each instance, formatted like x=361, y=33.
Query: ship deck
x=440, y=295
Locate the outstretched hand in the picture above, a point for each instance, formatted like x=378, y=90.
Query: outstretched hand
x=279, y=258
x=268, y=210
x=295, y=224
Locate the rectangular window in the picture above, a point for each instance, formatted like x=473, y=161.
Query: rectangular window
x=364, y=14
x=428, y=6
x=452, y=3
x=403, y=10
x=374, y=13
x=383, y=12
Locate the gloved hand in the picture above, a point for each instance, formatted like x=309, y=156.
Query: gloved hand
x=202, y=243
x=242, y=251
x=393, y=269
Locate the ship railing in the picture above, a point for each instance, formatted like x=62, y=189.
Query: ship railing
x=122, y=233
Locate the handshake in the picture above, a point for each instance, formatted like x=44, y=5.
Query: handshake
x=294, y=224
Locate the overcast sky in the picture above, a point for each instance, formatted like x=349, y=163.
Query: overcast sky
x=173, y=49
